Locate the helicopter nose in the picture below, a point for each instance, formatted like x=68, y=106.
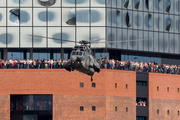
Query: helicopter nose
x=73, y=58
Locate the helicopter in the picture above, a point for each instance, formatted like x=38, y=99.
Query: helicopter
x=81, y=57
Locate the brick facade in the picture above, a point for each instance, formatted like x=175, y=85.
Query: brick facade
x=68, y=96
x=164, y=99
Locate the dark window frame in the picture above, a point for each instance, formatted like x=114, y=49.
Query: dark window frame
x=94, y=85
x=81, y=84
x=81, y=108
x=93, y=108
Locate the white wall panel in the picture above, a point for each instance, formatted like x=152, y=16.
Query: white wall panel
x=37, y=41
x=146, y=41
x=54, y=32
x=82, y=16
x=176, y=38
x=39, y=17
x=25, y=39
x=155, y=41
x=119, y=3
x=135, y=37
x=98, y=32
x=114, y=36
x=26, y=3
x=108, y=17
x=166, y=43
x=26, y=17
x=68, y=33
x=130, y=37
x=140, y=20
x=161, y=39
x=82, y=3
x=108, y=36
x=97, y=16
x=68, y=3
x=3, y=3
x=140, y=36
x=82, y=33
x=12, y=3
x=2, y=16
x=98, y=3
x=150, y=41
x=57, y=4
x=54, y=16
x=172, y=43
x=136, y=23
x=13, y=37
x=12, y=19
x=3, y=37
x=119, y=38
x=36, y=4
x=125, y=39
x=114, y=17
x=68, y=14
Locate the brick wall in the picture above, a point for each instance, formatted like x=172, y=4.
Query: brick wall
x=163, y=99
x=67, y=94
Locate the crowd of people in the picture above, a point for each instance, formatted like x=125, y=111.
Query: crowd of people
x=141, y=103
x=32, y=64
x=140, y=66
x=105, y=64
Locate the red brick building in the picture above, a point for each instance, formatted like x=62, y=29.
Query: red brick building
x=112, y=95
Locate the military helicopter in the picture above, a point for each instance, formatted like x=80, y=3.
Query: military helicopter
x=81, y=57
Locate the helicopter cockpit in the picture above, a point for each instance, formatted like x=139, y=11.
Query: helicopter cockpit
x=77, y=53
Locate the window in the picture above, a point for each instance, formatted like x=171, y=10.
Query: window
x=168, y=23
x=116, y=109
x=126, y=86
x=81, y=108
x=141, y=101
x=93, y=108
x=93, y=84
x=150, y=21
x=31, y=106
x=139, y=83
x=168, y=5
x=73, y=53
x=157, y=88
x=178, y=90
x=128, y=19
x=168, y=112
x=136, y=4
x=167, y=89
x=81, y=84
x=149, y=4
x=141, y=118
x=126, y=109
x=115, y=85
x=157, y=111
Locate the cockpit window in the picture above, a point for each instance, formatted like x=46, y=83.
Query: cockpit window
x=77, y=53
x=80, y=53
x=74, y=53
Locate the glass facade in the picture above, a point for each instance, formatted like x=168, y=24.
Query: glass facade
x=31, y=107
x=155, y=24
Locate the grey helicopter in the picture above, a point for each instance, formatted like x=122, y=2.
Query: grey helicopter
x=81, y=57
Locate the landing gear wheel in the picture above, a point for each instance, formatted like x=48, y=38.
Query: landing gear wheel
x=91, y=79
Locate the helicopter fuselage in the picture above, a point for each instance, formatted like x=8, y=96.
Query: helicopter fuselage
x=83, y=61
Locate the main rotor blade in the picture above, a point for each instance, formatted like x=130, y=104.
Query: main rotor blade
x=94, y=40
x=123, y=41
x=52, y=38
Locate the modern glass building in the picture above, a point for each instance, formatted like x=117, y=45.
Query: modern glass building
x=154, y=23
